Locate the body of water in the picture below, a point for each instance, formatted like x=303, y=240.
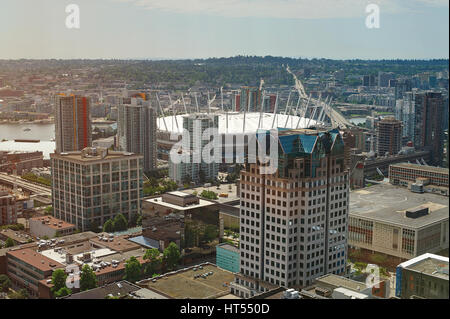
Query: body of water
x=43, y=132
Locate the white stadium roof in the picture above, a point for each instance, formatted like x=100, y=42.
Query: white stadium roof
x=236, y=122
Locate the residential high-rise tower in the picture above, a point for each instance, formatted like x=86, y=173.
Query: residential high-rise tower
x=73, y=130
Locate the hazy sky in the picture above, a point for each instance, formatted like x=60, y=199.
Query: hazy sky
x=220, y=28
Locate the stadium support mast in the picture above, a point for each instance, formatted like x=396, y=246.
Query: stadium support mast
x=314, y=112
x=245, y=111
x=162, y=113
x=173, y=111
x=209, y=104
x=324, y=104
x=275, y=110
x=261, y=110
x=287, y=103
x=306, y=109
x=184, y=103
x=221, y=96
x=298, y=103
x=196, y=102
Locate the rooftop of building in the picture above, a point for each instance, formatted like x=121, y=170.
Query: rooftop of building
x=121, y=289
x=429, y=264
x=229, y=247
x=181, y=284
x=53, y=222
x=35, y=259
x=3, y=251
x=92, y=154
x=159, y=201
x=339, y=281
x=179, y=194
x=78, y=237
x=117, y=243
x=388, y=204
x=17, y=236
x=434, y=169
x=231, y=195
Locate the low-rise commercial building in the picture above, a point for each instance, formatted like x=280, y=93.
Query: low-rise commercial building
x=19, y=162
x=406, y=174
x=395, y=221
x=26, y=267
x=105, y=254
x=117, y=290
x=425, y=276
x=338, y=287
x=181, y=218
x=50, y=227
x=18, y=237
x=204, y=281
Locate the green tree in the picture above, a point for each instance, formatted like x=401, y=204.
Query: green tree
x=120, y=223
x=152, y=255
x=108, y=226
x=171, y=255
x=208, y=194
x=59, y=277
x=139, y=220
x=64, y=291
x=88, y=279
x=9, y=243
x=94, y=227
x=5, y=283
x=21, y=294
x=132, y=270
x=48, y=210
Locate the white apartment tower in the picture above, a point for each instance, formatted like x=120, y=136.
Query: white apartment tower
x=293, y=224
x=196, y=169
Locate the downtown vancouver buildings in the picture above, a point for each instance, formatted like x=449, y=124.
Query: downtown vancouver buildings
x=293, y=225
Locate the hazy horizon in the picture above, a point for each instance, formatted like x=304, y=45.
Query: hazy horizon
x=200, y=29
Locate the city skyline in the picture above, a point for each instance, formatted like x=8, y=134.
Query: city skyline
x=150, y=29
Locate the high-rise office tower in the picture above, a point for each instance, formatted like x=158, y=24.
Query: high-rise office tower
x=136, y=129
x=428, y=132
x=73, y=130
x=293, y=223
x=196, y=169
x=389, y=136
x=250, y=99
x=95, y=184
